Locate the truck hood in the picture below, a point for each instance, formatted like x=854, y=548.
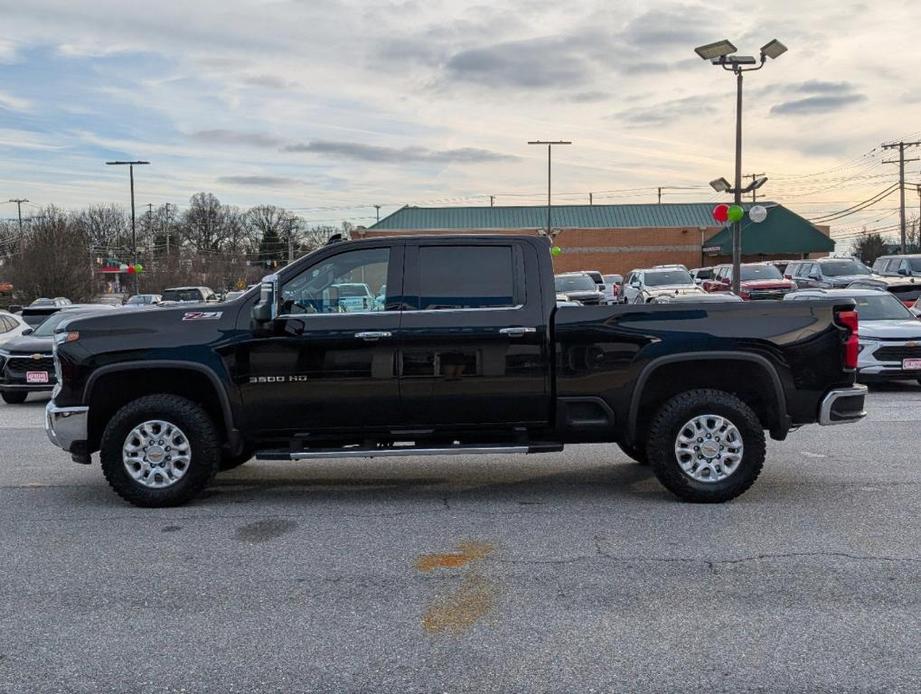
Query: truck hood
x=844, y=280
x=890, y=329
x=26, y=344
x=675, y=289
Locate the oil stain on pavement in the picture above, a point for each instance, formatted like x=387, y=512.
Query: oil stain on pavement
x=475, y=597
x=264, y=530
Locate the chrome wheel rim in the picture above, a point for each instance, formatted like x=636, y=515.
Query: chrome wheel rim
x=156, y=454
x=709, y=448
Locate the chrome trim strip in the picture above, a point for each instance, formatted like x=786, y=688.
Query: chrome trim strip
x=407, y=451
x=407, y=310
x=828, y=403
x=66, y=425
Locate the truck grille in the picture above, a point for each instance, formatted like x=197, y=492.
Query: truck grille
x=590, y=300
x=897, y=353
x=16, y=367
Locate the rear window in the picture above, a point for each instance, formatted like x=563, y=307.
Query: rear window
x=665, y=277
x=454, y=277
x=181, y=295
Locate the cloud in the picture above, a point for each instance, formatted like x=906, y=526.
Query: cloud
x=14, y=103
x=589, y=97
x=666, y=112
x=267, y=82
x=533, y=64
x=397, y=155
x=266, y=181
x=816, y=104
x=666, y=28
x=236, y=137
x=821, y=87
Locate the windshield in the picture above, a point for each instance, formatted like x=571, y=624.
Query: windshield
x=181, y=295
x=46, y=328
x=141, y=299
x=574, y=283
x=660, y=279
x=882, y=307
x=760, y=272
x=705, y=274
x=840, y=268
x=914, y=264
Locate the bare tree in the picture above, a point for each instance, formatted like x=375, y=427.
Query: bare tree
x=203, y=223
x=868, y=247
x=106, y=227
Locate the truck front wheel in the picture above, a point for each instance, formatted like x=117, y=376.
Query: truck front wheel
x=706, y=446
x=159, y=450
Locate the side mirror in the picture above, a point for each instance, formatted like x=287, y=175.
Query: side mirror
x=28, y=331
x=265, y=310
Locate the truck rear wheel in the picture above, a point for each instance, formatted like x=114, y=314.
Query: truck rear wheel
x=159, y=450
x=706, y=446
x=13, y=398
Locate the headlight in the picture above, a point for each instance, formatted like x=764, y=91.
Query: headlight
x=68, y=336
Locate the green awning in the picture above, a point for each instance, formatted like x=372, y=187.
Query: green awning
x=783, y=232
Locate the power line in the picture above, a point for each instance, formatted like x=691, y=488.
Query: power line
x=901, y=146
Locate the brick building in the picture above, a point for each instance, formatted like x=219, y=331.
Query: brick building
x=619, y=238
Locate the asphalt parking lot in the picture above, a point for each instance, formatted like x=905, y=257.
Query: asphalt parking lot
x=565, y=572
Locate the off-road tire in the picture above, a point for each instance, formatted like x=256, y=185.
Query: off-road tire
x=198, y=428
x=229, y=462
x=666, y=426
x=13, y=397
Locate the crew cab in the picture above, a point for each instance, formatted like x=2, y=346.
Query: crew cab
x=468, y=354
x=757, y=281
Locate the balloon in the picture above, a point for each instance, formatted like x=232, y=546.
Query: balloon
x=131, y=269
x=721, y=213
x=758, y=213
x=736, y=213
x=556, y=250
x=122, y=267
x=139, y=268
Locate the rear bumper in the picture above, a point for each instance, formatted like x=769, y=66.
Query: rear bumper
x=843, y=406
x=66, y=426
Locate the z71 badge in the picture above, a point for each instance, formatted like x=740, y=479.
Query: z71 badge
x=202, y=315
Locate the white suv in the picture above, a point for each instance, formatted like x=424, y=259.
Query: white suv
x=889, y=334
x=642, y=286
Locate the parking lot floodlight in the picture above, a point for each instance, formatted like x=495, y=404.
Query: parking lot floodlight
x=718, y=49
x=755, y=185
x=773, y=49
x=741, y=60
x=720, y=185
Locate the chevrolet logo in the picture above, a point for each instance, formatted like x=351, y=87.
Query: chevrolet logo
x=911, y=343
x=38, y=357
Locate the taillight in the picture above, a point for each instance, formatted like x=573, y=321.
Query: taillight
x=848, y=320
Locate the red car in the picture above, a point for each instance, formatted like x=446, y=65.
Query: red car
x=759, y=281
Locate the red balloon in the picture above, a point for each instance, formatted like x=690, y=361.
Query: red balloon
x=721, y=213
x=131, y=270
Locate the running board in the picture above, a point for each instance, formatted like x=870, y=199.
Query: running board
x=395, y=451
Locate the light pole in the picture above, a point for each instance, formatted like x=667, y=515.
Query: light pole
x=134, y=241
x=550, y=145
x=722, y=53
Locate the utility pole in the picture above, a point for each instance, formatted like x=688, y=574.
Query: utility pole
x=550, y=144
x=492, y=200
x=19, y=202
x=660, y=195
x=168, y=224
x=590, y=202
x=753, y=177
x=134, y=240
x=901, y=146
x=378, y=209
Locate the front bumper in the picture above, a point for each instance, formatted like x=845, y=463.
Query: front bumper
x=67, y=426
x=843, y=406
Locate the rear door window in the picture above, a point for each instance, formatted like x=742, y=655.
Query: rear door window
x=468, y=277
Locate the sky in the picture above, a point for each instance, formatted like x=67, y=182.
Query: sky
x=329, y=107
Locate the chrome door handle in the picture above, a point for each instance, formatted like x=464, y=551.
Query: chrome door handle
x=372, y=335
x=516, y=332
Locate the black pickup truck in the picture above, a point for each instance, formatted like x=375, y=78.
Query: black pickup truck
x=461, y=351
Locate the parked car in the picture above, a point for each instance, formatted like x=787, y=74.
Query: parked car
x=890, y=334
x=579, y=286
x=110, y=299
x=602, y=285
x=758, y=282
x=905, y=289
x=187, y=295
x=58, y=301
x=612, y=287
x=699, y=274
x=34, y=316
x=11, y=326
x=464, y=362
x=826, y=273
x=898, y=265
x=354, y=297
x=26, y=364
x=144, y=300
x=642, y=286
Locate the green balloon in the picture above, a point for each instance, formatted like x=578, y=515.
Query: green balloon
x=556, y=250
x=139, y=268
x=736, y=213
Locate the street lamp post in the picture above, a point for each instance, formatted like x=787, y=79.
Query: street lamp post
x=722, y=53
x=134, y=242
x=550, y=145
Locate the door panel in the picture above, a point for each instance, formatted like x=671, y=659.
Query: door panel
x=330, y=364
x=482, y=357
